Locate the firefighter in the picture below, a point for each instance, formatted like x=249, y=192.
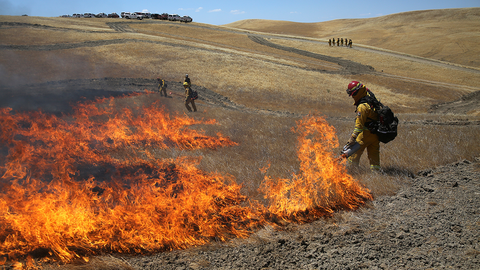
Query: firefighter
x=330, y=42
x=162, y=87
x=365, y=115
x=188, y=97
x=187, y=80
x=338, y=42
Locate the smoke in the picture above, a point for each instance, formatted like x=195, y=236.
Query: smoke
x=7, y=8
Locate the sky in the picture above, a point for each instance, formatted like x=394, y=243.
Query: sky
x=224, y=12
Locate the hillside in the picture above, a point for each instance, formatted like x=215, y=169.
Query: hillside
x=115, y=176
x=448, y=34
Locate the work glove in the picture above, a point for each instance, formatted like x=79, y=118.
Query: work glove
x=351, y=141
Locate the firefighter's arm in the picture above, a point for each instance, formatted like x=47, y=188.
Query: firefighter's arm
x=362, y=111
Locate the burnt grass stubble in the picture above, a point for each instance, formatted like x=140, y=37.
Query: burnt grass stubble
x=432, y=222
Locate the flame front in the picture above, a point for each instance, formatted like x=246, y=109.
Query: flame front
x=322, y=184
x=90, y=182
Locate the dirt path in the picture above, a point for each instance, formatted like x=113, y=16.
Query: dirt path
x=56, y=97
x=348, y=67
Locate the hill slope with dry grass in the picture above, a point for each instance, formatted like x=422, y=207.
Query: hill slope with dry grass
x=449, y=34
x=257, y=85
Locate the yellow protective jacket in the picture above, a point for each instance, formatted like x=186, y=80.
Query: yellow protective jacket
x=188, y=92
x=365, y=115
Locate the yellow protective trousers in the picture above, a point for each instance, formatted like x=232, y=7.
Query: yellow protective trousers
x=368, y=141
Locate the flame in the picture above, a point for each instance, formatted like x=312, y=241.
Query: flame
x=90, y=182
x=322, y=184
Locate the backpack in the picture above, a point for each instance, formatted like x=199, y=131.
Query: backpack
x=387, y=124
x=194, y=94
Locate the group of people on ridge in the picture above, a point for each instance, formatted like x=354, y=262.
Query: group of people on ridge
x=162, y=88
x=340, y=42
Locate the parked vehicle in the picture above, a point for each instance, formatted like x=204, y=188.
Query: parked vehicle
x=186, y=19
x=173, y=17
x=89, y=15
x=113, y=15
x=77, y=15
x=138, y=15
x=134, y=15
x=101, y=15
x=164, y=16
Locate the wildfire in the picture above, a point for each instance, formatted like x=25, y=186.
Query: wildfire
x=89, y=182
x=322, y=184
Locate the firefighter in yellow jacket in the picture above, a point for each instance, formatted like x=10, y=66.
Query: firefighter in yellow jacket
x=162, y=86
x=188, y=97
x=361, y=133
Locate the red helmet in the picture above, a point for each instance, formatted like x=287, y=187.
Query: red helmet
x=353, y=87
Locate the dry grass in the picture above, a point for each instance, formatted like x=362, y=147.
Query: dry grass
x=47, y=36
x=250, y=74
x=447, y=34
x=263, y=78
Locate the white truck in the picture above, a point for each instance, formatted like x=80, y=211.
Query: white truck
x=186, y=19
x=173, y=17
x=134, y=15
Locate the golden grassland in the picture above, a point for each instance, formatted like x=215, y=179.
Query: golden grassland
x=225, y=60
x=446, y=34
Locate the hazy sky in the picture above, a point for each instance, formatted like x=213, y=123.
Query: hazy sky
x=223, y=12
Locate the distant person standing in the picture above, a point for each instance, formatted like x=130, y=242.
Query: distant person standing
x=162, y=87
x=188, y=97
x=187, y=80
x=338, y=42
x=341, y=41
x=346, y=42
x=330, y=42
x=350, y=43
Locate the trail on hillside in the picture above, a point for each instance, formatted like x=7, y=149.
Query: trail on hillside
x=348, y=67
x=56, y=97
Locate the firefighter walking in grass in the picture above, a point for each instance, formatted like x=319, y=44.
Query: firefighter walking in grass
x=366, y=116
x=189, y=97
x=162, y=87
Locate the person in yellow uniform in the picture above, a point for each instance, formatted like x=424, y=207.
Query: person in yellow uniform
x=365, y=116
x=188, y=97
x=162, y=86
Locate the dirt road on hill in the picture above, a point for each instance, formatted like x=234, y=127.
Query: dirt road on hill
x=57, y=96
x=431, y=223
x=347, y=67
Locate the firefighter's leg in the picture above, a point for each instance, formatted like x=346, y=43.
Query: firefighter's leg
x=355, y=158
x=373, y=150
x=164, y=90
x=187, y=100
x=193, y=105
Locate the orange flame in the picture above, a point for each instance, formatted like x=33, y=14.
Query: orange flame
x=322, y=185
x=89, y=182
